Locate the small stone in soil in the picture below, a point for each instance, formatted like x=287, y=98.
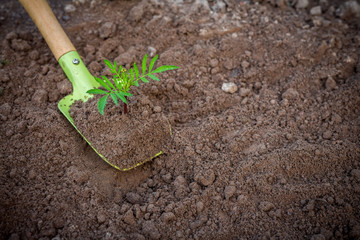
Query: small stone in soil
x=152, y=51
x=230, y=119
x=229, y=87
x=302, y=4
x=315, y=10
x=69, y=8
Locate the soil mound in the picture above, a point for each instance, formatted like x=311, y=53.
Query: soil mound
x=125, y=140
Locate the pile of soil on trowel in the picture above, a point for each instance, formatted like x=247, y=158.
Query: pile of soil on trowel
x=125, y=140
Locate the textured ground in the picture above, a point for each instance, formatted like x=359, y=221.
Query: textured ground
x=275, y=157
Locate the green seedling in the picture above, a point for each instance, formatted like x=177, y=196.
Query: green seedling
x=123, y=79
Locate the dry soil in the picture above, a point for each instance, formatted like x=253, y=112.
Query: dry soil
x=274, y=157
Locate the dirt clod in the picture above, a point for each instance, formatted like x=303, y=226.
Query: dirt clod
x=205, y=178
x=40, y=96
x=266, y=206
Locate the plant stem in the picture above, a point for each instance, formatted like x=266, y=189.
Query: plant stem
x=125, y=106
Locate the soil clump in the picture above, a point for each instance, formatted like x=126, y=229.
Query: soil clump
x=125, y=140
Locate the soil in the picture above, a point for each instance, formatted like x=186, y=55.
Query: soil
x=275, y=156
x=125, y=140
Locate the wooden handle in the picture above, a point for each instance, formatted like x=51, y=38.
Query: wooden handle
x=49, y=27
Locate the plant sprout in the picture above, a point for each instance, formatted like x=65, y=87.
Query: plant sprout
x=123, y=79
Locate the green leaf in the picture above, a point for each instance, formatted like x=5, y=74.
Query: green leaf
x=108, y=82
x=153, y=62
x=165, y=68
x=117, y=83
x=122, y=98
x=115, y=66
x=123, y=77
x=131, y=75
x=108, y=63
x=114, y=98
x=126, y=94
x=136, y=83
x=102, y=103
x=153, y=77
x=144, y=64
x=136, y=71
x=144, y=80
x=99, y=80
x=97, y=91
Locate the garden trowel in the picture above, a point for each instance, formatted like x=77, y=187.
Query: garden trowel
x=68, y=58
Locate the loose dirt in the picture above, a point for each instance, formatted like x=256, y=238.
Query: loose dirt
x=276, y=156
x=125, y=140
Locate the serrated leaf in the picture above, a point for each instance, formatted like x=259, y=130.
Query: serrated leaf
x=108, y=63
x=153, y=77
x=122, y=98
x=99, y=80
x=144, y=80
x=144, y=64
x=165, y=68
x=136, y=83
x=115, y=65
x=136, y=71
x=102, y=103
x=123, y=75
x=97, y=91
x=131, y=75
x=152, y=62
x=108, y=82
x=114, y=98
x=126, y=94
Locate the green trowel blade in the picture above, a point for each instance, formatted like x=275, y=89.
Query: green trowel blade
x=80, y=78
x=82, y=81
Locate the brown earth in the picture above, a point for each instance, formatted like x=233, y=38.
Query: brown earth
x=276, y=159
x=125, y=140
